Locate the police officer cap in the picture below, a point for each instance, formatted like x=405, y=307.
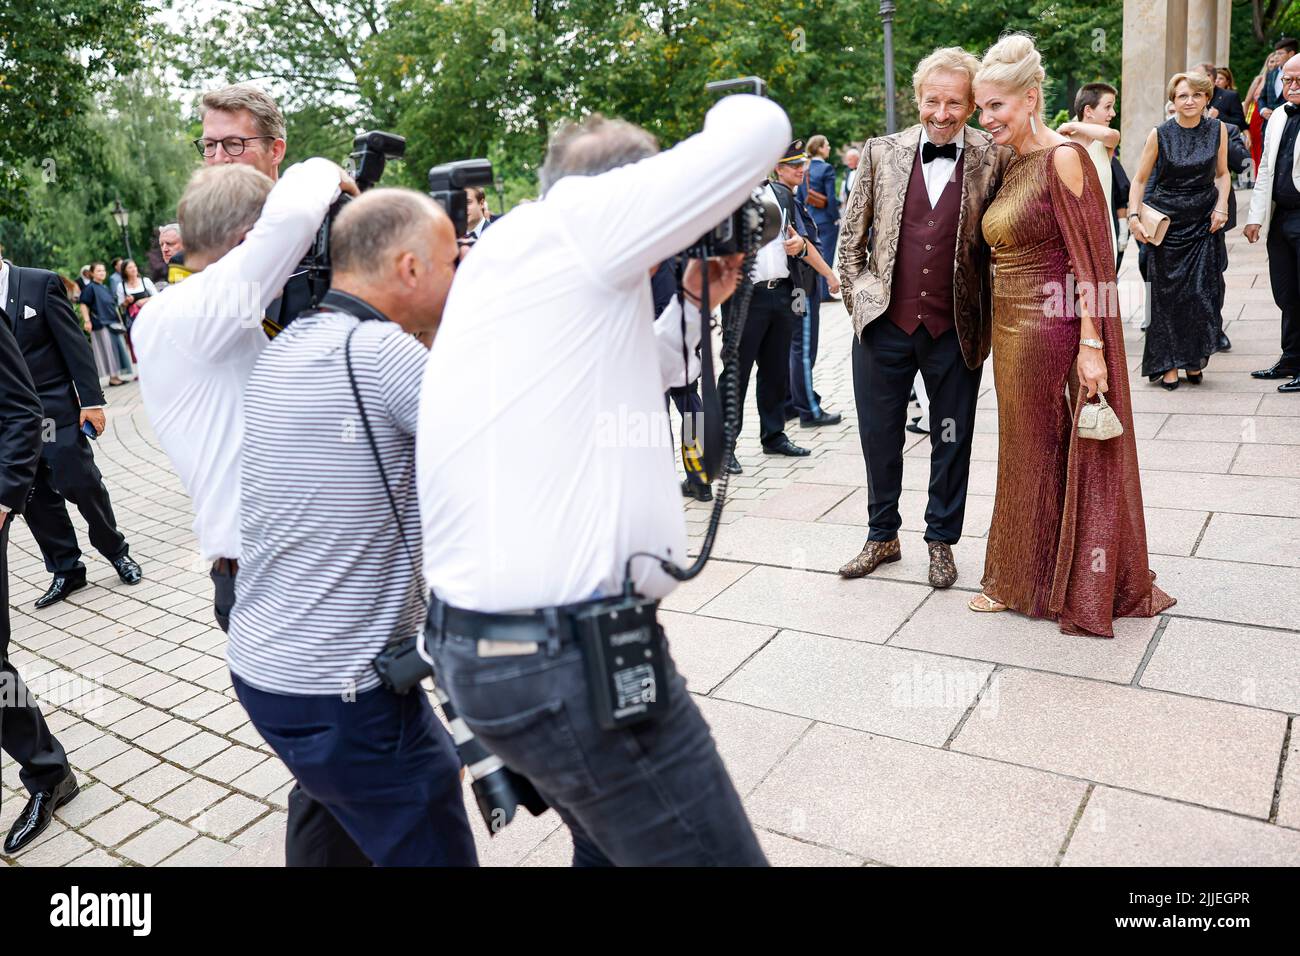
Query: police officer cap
x=794, y=155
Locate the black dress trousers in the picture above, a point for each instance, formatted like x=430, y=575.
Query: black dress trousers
x=1284, y=276
x=24, y=735
x=67, y=470
x=766, y=341
x=885, y=362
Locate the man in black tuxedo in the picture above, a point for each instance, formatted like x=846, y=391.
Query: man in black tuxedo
x=24, y=735
x=62, y=367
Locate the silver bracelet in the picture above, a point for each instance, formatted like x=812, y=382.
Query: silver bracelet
x=1092, y=343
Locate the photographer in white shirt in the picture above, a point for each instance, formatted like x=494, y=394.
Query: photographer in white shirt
x=199, y=340
x=559, y=475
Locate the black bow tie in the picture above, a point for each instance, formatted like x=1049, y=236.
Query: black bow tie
x=1292, y=109
x=929, y=151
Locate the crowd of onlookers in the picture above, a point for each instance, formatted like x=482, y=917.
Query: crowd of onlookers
x=109, y=297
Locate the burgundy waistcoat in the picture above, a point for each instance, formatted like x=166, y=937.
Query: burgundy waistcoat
x=927, y=246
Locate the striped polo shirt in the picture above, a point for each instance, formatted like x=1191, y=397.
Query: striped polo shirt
x=324, y=581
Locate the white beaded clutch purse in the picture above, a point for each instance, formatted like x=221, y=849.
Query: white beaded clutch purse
x=1099, y=421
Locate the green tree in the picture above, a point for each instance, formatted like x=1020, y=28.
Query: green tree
x=136, y=149
x=55, y=56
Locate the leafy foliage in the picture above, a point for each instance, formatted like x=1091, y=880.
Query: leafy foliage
x=55, y=56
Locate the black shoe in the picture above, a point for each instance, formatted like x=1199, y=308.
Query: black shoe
x=1291, y=386
x=61, y=587
x=1195, y=378
x=825, y=418
x=36, y=816
x=791, y=414
x=914, y=426
x=1225, y=343
x=733, y=466
x=697, y=490
x=128, y=570
x=1276, y=370
x=784, y=446
x=1169, y=386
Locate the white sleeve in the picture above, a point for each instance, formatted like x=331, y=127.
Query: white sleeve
x=236, y=289
x=1262, y=193
x=668, y=344
x=149, y=286
x=629, y=219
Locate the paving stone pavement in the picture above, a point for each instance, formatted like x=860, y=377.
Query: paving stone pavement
x=864, y=722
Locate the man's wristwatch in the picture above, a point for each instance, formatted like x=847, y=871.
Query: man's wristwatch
x=1092, y=343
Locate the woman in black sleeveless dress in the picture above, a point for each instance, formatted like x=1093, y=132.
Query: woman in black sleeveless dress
x=1186, y=158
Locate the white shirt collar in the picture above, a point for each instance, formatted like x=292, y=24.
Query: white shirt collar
x=4, y=284
x=959, y=139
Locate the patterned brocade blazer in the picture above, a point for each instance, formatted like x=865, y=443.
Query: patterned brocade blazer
x=874, y=214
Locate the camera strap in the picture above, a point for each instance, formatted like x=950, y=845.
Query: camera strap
x=401, y=665
x=374, y=448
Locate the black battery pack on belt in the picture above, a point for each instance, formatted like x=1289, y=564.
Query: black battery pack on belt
x=624, y=651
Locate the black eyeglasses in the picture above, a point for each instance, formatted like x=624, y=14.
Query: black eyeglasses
x=233, y=145
x=1291, y=81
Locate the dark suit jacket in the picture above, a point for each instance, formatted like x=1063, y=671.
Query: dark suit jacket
x=1228, y=103
x=821, y=177
x=1238, y=162
x=1267, y=99
x=50, y=336
x=20, y=424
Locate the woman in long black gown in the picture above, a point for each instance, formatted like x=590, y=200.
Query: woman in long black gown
x=1188, y=157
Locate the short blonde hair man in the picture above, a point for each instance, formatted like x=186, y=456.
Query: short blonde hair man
x=948, y=59
x=245, y=96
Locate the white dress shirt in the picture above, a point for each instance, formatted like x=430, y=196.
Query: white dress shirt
x=939, y=171
x=544, y=455
x=771, y=261
x=197, y=342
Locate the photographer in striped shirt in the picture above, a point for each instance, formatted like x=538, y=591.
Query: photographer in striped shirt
x=330, y=528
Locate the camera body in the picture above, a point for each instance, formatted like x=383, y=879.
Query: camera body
x=758, y=220
x=447, y=185
x=311, y=280
x=370, y=154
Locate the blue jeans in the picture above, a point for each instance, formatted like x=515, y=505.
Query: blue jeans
x=653, y=794
x=382, y=765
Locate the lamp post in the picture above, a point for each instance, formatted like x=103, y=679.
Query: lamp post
x=122, y=217
x=887, y=18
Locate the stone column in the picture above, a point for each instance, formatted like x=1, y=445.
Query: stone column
x=1223, y=35
x=1155, y=48
x=1202, y=32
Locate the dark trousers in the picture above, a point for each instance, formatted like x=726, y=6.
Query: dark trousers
x=1284, y=275
x=312, y=836
x=691, y=407
x=24, y=735
x=885, y=361
x=804, y=400
x=67, y=470
x=828, y=237
x=765, y=341
x=381, y=765
x=653, y=794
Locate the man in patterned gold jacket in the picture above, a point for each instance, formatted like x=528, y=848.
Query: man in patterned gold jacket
x=916, y=275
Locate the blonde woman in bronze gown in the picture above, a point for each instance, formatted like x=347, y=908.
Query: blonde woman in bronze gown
x=1068, y=537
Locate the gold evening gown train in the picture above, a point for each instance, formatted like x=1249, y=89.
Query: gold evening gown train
x=1068, y=536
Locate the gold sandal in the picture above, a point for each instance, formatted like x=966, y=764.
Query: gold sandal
x=984, y=604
